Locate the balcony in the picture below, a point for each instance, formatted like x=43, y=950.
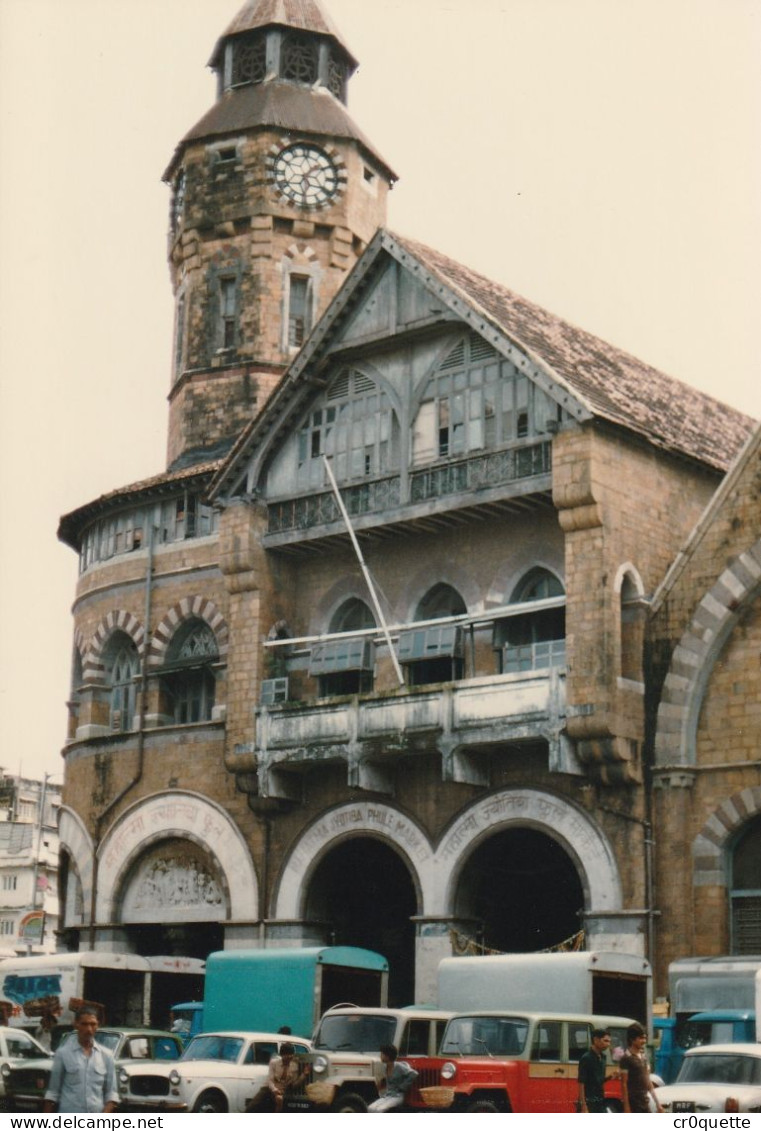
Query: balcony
x=464, y=722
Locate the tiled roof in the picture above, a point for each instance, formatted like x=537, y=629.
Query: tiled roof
x=282, y=106
x=305, y=15
x=605, y=381
x=71, y=524
x=614, y=384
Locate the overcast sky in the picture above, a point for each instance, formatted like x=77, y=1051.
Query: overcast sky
x=600, y=157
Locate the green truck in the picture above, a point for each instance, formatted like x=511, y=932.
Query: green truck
x=264, y=990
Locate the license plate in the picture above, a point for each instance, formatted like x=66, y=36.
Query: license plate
x=682, y=1105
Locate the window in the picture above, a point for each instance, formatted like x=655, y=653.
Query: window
x=355, y=426
x=189, y=677
x=537, y=639
x=228, y=304
x=249, y=62
x=299, y=310
x=179, y=335
x=184, y=516
x=632, y=631
x=477, y=400
x=122, y=667
x=299, y=59
x=434, y=654
x=745, y=893
x=546, y=1043
x=178, y=200
x=10, y=883
x=345, y=666
x=337, y=76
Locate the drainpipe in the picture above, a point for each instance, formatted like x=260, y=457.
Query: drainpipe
x=648, y=844
x=140, y=736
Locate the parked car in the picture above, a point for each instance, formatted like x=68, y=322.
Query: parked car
x=140, y=1047
x=716, y=1078
x=515, y=1062
x=24, y=1070
x=218, y=1072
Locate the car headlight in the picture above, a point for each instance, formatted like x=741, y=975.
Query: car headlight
x=6, y=1070
x=174, y=1077
x=320, y=1064
x=448, y=1071
x=123, y=1079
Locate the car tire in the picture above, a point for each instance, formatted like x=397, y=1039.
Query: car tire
x=482, y=1106
x=349, y=1101
x=209, y=1103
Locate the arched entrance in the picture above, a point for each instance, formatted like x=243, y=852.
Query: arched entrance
x=363, y=894
x=521, y=890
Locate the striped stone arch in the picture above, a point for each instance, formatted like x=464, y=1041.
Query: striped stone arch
x=696, y=654
x=186, y=609
x=116, y=621
x=710, y=847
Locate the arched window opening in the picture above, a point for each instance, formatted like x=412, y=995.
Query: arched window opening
x=476, y=400
x=345, y=666
x=189, y=677
x=434, y=654
x=632, y=630
x=745, y=893
x=536, y=639
x=355, y=426
x=122, y=669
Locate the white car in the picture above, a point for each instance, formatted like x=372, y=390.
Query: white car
x=24, y=1069
x=716, y=1078
x=218, y=1072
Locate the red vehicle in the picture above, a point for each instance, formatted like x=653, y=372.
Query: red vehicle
x=515, y=1062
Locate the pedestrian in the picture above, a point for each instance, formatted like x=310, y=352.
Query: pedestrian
x=395, y=1082
x=284, y=1075
x=83, y=1078
x=592, y=1074
x=636, y=1086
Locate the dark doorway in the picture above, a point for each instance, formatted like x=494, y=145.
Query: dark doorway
x=363, y=893
x=523, y=891
x=189, y=940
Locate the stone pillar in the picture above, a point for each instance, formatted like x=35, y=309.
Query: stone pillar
x=621, y=931
x=433, y=942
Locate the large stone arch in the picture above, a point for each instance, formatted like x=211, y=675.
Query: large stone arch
x=76, y=842
x=710, y=848
x=118, y=620
x=183, y=815
x=696, y=654
x=565, y=822
x=186, y=609
x=361, y=818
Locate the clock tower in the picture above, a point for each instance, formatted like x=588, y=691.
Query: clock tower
x=275, y=194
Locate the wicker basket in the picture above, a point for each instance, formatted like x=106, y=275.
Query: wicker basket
x=321, y=1093
x=437, y=1097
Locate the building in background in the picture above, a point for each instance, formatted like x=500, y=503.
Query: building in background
x=28, y=865
x=451, y=742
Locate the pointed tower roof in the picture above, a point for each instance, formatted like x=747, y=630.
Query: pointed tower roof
x=302, y=15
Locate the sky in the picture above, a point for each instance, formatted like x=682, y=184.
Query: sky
x=600, y=157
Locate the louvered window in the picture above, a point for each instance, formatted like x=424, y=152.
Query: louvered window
x=355, y=427
x=477, y=400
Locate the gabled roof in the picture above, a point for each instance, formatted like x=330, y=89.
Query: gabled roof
x=282, y=106
x=302, y=15
x=598, y=380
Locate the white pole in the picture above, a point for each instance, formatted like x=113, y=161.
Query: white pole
x=365, y=570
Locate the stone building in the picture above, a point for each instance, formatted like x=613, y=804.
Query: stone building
x=28, y=865
x=408, y=713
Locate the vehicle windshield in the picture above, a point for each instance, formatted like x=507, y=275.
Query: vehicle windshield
x=356, y=1032
x=720, y=1068
x=105, y=1040
x=21, y=1045
x=691, y=1034
x=485, y=1036
x=213, y=1047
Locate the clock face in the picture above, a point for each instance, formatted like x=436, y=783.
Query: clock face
x=306, y=175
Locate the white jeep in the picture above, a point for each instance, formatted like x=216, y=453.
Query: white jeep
x=345, y=1063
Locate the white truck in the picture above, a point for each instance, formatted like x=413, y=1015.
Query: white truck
x=127, y=989
x=700, y=985
x=583, y=982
